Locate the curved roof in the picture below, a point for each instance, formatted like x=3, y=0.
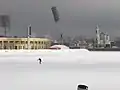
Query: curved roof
x=59, y=47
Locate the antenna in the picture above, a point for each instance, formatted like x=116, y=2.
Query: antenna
x=5, y=23
x=98, y=35
x=61, y=38
x=28, y=36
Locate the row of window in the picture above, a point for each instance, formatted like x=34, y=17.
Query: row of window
x=24, y=42
x=23, y=47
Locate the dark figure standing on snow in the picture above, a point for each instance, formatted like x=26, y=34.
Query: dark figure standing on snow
x=40, y=60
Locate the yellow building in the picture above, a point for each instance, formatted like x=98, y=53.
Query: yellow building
x=24, y=43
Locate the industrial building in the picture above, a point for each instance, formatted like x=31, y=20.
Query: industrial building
x=102, y=39
x=24, y=43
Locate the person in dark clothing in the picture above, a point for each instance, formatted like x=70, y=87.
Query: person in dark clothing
x=40, y=60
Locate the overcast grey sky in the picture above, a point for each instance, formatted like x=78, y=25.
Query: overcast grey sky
x=77, y=17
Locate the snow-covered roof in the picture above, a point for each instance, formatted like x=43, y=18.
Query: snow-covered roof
x=84, y=50
x=59, y=47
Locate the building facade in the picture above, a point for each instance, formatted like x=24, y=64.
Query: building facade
x=24, y=43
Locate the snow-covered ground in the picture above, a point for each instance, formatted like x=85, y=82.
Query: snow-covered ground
x=61, y=70
x=61, y=56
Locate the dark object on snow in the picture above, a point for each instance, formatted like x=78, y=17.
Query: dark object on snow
x=40, y=60
x=82, y=87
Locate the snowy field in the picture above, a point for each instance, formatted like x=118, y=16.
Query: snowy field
x=61, y=70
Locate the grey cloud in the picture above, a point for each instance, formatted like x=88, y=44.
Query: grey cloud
x=77, y=16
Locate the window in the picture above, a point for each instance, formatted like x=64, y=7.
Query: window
x=35, y=42
x=32, y=47
x=38, y=47
x=5, y=42
x=5, y=47
x=23, y=47
x=15, y=47
x=35, y=47
x=0, y=42
x=42, y=47
x=16, y=41
x=20, y=47
x=31, y=42
x=22, y=42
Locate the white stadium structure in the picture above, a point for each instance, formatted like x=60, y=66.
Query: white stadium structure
x=59, y=47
